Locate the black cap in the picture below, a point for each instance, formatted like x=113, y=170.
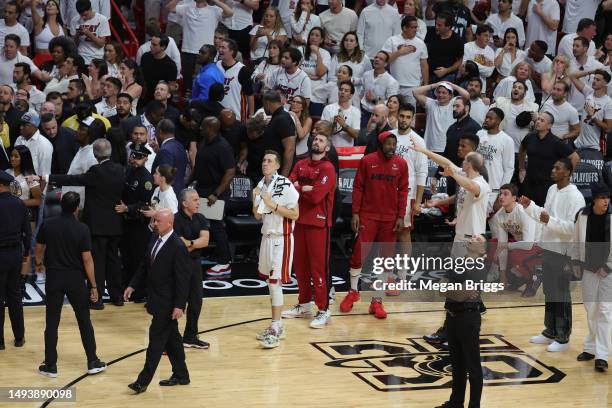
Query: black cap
x=523, y=119
x=5, y=178
x=600, y=190
x=139, y=149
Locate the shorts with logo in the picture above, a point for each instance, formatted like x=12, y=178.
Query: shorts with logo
x=276, y=257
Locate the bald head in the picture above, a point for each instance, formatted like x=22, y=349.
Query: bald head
x=47, y=107
x=324, y=127
x=210, y=128
x=164, y=220
x=227, y=117
x=380, y=114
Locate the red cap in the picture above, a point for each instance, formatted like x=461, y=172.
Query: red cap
x=383, y=135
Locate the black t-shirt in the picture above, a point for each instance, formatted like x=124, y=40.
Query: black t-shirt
x=153, y=71
x=281, y=126
x=255, y=154
x=542, y=155
x=443, y=53
x=234, y=136
x=66, y=239
x=186, y=136
x=211, y=163
x=597, y=244
x=189, y=228
x=461, y=15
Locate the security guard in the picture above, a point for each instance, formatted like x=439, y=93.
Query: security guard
x=64, y=244
x=136, y=196
x=15, y=236
x=463, y=330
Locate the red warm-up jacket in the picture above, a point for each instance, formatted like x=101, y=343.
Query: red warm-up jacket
x=380, y=189
x=315, y=205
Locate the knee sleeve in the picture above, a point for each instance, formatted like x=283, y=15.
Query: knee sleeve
x=276, y=292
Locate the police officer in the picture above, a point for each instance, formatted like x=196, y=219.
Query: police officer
x=66, y=245
x=463, y=329
x=15, y=236
x=136, y=196
x=192, y=227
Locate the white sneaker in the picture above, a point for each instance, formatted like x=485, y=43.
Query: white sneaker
x=282, y=334
x=270, y=340
x=40, y=278
x=332, y=295
x=554, y=346
x=297, y=311
x=219, y=270
x=541, y=339
x=321, y=319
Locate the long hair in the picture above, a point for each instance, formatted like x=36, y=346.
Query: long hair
x=58, y=18
x=280, y=47
x=298, y=9
x=101, y=65
x=27, y=165
x=307, y=47
x=278, y=22
x=418, y=10
x=513, y=31
x=305, y=114
x=358, y=54
x=131, y=64
x=118, y=50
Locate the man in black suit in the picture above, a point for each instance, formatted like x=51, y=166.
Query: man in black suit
x=103, y=190
x=171, y=152
x=167, y=280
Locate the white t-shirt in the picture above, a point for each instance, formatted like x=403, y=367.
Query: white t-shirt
x=98, y=25
x=504, y=88
x=517, y=224
x=359, y=68
x=566, y=46
x=81, y=163
x=261, y=44
x=576, y=10
x=24, y=184
x=472, y=210
x=406, y=69
x=541, y=67
x=105, y=109
x=352, y=116
x=309, y=66
x=336, y=25
x=17, y=29
x=472, y=52
x=375, y=25
x=589, y=132
x=242, y=18
x=41, y=150
x=418, y=167
x=536, y=29
x=575, y=97
x=302, y=27
x=564, y=114
x=478, y=110
x=164, y=200
x=199, y=25
x=507, y=64
x=439, y=119
x=499, y=27
x=498, y=153
x=383, y=86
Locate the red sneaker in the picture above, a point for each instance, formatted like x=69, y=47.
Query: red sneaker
x=347, y=303
x=377, y=309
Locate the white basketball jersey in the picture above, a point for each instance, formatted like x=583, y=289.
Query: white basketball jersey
x=284, y=194
x=234, y=97
x=297, y=83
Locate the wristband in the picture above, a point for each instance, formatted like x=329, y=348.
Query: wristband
x=276, y=209
x=94, y=287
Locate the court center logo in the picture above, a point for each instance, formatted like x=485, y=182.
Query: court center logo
x=418, y=365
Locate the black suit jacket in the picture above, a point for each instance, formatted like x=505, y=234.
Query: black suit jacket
x=103, y=190
x=166, y=278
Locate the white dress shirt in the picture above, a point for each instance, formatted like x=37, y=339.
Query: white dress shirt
x=41, y=150
x=82, y=161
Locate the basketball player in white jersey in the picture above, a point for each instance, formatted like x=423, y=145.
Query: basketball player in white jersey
x=238, y=84
x=417, y=176
x=290, y=79
x=275, y=201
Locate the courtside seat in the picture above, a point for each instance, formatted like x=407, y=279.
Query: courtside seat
x=243, y=229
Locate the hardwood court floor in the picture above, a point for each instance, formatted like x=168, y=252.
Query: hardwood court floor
x=367, y=357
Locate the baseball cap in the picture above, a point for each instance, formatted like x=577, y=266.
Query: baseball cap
x=30, y=117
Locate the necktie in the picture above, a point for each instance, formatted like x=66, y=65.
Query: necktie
x=155, y=248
